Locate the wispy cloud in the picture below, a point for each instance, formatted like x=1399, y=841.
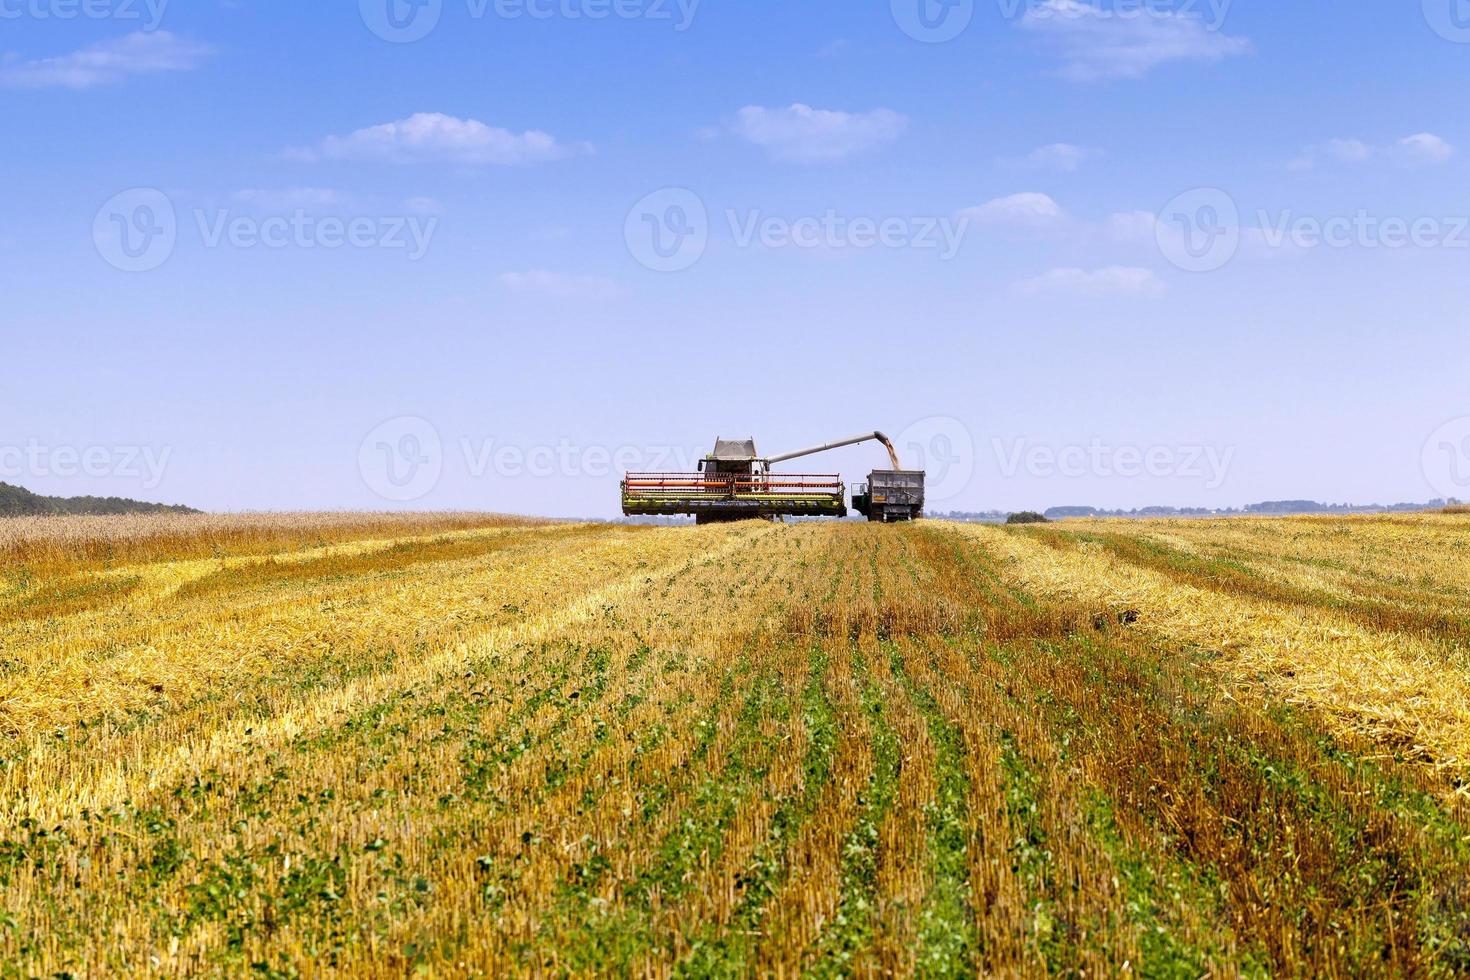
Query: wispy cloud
x=1057, y=157
x=1423, y=148
x=1348, y=151
x=1133, y=227
x=1030, y=210
x=107, y=62
x=1417, y=150
x=324, y=200
x=431, y=137
x=559, y=284
x=802, y=134
x=1114, y=280
x=1037, y=216
x=1335, y=151
x=1097, y=43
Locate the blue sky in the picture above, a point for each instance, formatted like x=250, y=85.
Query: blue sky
x=1223, y=239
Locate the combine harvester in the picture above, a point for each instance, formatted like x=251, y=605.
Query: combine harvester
x=736, y=484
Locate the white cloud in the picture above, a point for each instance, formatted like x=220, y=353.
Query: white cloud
x=1097, y=43
x=1424, y=148
x=1134, y=227
x=1338, y=151
x=1061, y=157
x=431, y=137
x=107, y=62
x=1114, y=280
x=805, y=135
x=547, y=283
x=1348, y=151
x=1027, y=210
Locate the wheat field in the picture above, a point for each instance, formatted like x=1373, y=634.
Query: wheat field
x=455, y=745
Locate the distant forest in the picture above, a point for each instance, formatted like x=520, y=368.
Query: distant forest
x=20, y=502
x=1266, y=508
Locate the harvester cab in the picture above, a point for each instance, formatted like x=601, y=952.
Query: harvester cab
x=731, y=458
x=735, y=483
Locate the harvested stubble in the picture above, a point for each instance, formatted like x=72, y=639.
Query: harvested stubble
x=475, y=747
x=1396, y=672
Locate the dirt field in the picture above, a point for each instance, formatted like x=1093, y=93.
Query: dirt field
x=475, y=746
